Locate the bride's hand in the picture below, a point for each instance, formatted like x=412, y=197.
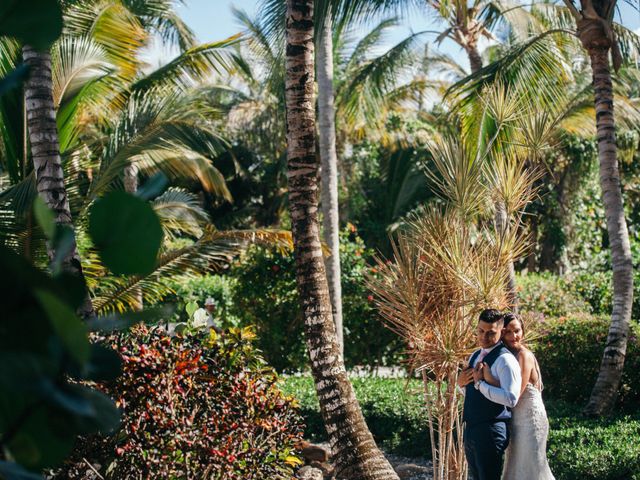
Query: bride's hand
x=489, y=378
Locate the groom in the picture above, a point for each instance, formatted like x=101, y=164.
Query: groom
x=486, y=408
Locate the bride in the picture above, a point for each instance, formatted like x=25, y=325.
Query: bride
x=526, y=455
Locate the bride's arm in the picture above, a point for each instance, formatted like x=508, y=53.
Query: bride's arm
x=489, y=378
x=526, y=361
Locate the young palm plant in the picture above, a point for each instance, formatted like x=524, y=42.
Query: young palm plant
x=452, y=261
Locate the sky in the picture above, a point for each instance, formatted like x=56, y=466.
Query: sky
x=213, y=20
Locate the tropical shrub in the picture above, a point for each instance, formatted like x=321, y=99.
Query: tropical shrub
x=590, y=449
x=392, y=407
x=265, y=295
x=195, y=407
x=549, y=294
x=197, y=288
x=569, y=353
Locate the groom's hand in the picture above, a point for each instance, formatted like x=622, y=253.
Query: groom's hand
x=465, y=377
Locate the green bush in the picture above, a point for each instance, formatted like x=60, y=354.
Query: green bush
x=549, y=294
x=587, y=449
x=265, y=296
x=189, y=288
x=578, y=448
x=393, y=409
x=194, y=407
x=569, y=353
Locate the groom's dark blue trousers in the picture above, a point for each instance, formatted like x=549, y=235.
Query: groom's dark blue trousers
x=484, y=447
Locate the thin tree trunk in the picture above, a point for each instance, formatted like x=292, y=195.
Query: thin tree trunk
x=605, y=391
x=45, y=151
x=329, y=172
x=355, y=453
x=501, y=222
x=130, y=181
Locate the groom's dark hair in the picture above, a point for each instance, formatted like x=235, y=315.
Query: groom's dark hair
x=491, y=315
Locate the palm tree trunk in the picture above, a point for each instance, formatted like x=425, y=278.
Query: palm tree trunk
x=329, y=172
x=130, y=181
x=605, y=391
x=355, y=453
x=475, y=59
x=45, y=151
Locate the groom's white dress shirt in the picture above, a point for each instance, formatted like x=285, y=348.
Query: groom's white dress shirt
x=507, y=370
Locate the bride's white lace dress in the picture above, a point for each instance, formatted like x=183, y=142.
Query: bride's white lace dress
x=526, y=457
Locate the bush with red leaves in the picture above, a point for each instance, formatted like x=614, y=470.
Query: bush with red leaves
x=194, y=407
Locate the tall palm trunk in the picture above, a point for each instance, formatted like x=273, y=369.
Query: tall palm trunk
x=605, y=391
x=329, y=172
x=45, y=151
x=475, y=59
x=355, y=452
x=130, y=180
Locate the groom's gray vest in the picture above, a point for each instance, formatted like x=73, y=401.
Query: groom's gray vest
x=477, y=407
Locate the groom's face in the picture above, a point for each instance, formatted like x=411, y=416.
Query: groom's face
x=488, y=333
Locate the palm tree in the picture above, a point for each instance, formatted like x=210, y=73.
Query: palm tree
x=594, y=21
x=45, y=153
x=357, y=456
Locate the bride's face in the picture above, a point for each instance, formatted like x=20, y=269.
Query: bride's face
x=512, y=334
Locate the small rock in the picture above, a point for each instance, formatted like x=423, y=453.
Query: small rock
x=309, y=473
x=311, y=452
x=408, y=470
x=327, y=469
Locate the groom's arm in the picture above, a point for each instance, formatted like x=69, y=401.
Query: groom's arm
x=507, y=370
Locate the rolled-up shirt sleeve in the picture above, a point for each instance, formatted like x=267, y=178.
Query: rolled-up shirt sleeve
x=507, y=369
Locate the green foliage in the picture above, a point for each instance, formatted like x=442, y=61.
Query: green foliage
x=36, y=22
x=393, y=409
x=127, y=231
x=265, y=295
x=192, y=288
x=44, y=352
x=549, y=294
x=577, y=448
x=569, y=354
x=588, y=449
x=194, y=407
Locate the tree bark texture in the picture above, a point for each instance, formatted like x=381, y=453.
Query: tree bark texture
x=329, y=172
x=45, y=151
x=355, y=453
x=605, y=391
x=475, y=59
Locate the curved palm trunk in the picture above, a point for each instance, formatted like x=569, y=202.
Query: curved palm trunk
x=329, y=172
x=605, y=391
x=45, y=151
x=355, y=452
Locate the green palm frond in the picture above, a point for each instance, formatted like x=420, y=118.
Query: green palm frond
x=180, y=213
x=361, y=97
x=195, y=64
x=160, y=17
x=212, y=252
x=161, y=133
x=111, y=25
x=12, y=134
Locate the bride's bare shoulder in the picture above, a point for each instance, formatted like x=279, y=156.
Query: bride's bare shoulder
x=526, y=356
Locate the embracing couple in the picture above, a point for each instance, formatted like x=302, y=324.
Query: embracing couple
x=503, y=404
